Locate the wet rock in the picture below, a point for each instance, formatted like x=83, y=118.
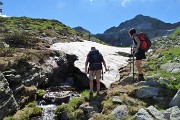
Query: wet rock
x=57, y=97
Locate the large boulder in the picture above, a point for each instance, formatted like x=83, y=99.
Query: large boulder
x=8, y=103
x=171, y=67
x=147, y=92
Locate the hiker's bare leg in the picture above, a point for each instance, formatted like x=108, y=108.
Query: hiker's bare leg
x=91, y=77
x=138, y=66
x=98, y=77
x=91, y=84
x=98, y=85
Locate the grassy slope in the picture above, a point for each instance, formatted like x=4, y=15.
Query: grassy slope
x=171, y=53
x=22, y=34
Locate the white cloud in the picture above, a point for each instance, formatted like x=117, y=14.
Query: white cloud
x=3, y=15
x=124, y=2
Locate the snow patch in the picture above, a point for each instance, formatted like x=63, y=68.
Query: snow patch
x=112, y=59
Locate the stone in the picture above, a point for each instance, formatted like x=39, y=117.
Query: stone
x=147, y=92
x=176, y=100
x=142, y=114
x=120, y=112
x=156, y=113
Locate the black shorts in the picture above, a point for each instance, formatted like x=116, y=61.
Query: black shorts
x=140, y=55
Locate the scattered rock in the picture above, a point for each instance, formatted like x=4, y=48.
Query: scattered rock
x=120, y=112
x=147, y=92
x=142, y=114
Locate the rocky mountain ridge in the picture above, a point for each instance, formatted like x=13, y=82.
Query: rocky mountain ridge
x=118, y=36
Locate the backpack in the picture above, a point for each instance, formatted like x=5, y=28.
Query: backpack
x=145, y=42
x=95, y=58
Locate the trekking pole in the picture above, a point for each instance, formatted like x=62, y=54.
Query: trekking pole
x=130, y=59
x=102, y=74
x=133, y=65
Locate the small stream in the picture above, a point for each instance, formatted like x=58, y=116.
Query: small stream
x=54, y=96
x=48, y=112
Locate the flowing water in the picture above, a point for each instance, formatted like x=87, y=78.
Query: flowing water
x=50, y=106
x=48, y=112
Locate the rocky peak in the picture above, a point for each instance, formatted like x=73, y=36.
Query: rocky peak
x=82, y=30
x=118, y=36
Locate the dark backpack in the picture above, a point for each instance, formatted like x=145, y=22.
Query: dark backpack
x=95, y=58
x=145, y=42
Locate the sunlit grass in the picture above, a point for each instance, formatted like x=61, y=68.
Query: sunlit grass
x=26, y=113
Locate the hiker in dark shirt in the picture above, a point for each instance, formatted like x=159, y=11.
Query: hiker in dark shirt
x=139, y=53
x=94, y=60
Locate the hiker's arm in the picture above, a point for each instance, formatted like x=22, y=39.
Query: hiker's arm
x=138, y=43
x=86, y=64
x=104, y=63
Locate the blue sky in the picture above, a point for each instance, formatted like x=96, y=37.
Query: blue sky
x=93, y=15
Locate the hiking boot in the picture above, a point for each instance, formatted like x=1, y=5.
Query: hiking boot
x=141, y=77
x=90, y=92
x=97, y=93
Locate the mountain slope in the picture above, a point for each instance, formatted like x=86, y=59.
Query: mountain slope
x=82, y=30
x=43, y=28
x=118, y=36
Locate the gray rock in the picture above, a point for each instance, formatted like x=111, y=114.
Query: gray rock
x=116, y=100
x=127, y=80
x=176, y=70
x=142, y=114
x=57, y=97
x=171, y=67
x=8, y=103
x=172, y=113
x=3, y=45
x=88, y=108
x=156, y=113
x=153, y=83
x=120, y=112
x=147, y=92
x=175, y=115
x=176, y=100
